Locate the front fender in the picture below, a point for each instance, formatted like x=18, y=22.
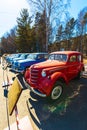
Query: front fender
x=59, y=75
x=48, y=83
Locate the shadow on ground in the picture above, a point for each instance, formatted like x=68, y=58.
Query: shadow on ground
x=68, y=113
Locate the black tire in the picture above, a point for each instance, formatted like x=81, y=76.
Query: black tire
x=79, y=75
x=56, y=91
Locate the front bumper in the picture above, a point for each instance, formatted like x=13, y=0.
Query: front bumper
x=34, y=90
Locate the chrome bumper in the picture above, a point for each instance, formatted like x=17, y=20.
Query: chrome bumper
x=34, y=90
x=16, y=70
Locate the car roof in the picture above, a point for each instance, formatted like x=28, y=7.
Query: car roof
x=39, y=53
x=66, y=52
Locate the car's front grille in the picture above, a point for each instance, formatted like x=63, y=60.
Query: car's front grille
x=34, y=75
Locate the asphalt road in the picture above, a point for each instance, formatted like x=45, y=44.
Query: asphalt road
x=68, y=113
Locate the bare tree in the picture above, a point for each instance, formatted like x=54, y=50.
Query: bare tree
x=85, y=28
x=54, y=10
x=81, y=27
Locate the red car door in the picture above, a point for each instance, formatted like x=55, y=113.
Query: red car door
x=73, y=65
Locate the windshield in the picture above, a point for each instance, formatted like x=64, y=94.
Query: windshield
x=59, y=57
x=31, y=56
x=23, y=56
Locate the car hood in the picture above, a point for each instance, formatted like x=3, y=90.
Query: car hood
x=49, y=64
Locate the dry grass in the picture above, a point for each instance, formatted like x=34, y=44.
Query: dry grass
x=85, y=61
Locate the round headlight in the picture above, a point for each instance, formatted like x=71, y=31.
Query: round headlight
x=43, y=73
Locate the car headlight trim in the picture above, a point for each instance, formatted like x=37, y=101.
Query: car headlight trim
x=43, y=73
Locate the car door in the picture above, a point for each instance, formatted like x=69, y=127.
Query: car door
x=72, y=67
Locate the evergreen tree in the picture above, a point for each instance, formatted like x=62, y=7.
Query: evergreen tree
x=69, y=28
x=40, y=28
x=59, y=36
x=23, y=38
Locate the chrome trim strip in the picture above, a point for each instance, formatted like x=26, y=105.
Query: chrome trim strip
x=18, y=71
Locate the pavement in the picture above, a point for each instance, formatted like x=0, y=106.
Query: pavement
x=5, y=118
x=67, y=113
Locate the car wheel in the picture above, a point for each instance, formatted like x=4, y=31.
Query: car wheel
x=56, y=91
x=79, y=75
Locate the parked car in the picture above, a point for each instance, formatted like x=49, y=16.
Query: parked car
x=22, y=57
x=21, y=65
x=10, y=58
x=48, y=79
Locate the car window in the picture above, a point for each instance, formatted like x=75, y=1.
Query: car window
x=32, y=56
x=45, y=56
x=73, y=58
x=40, y=56
x=22, y=56
x=59, y=57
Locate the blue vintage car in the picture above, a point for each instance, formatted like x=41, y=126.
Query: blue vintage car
x=10, y=58
x=21, y=65
x=21, y=57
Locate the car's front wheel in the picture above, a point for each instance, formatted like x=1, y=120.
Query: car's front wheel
x=56, y=91
x=79, y=75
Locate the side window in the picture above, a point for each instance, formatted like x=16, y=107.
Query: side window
x=46, y=56
x=40, y=57
x=73, y=58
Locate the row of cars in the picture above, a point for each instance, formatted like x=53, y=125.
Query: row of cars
x=19, y=62
x=50, y=77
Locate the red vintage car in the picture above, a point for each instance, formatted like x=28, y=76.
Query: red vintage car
x=47, y=79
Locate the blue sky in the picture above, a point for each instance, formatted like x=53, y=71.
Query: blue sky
x=10, y=10
x=76, y=6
